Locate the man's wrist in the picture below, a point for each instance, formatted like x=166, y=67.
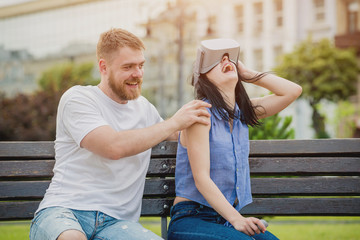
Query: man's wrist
x=170, y=126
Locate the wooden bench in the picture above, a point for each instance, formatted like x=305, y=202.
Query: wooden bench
x=289, y=178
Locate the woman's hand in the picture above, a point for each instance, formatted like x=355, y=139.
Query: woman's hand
x=284, y=92
x=244, y=71
x=248, y=225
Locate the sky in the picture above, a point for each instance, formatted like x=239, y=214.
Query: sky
x=49, y=32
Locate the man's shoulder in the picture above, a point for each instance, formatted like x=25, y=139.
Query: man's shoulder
x=79, y=91
x=142, y=101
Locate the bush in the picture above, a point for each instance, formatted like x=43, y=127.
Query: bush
x=273, y=127
x=33, y=117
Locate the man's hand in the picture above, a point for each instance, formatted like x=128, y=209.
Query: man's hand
x=190, y=113
x=107, y=142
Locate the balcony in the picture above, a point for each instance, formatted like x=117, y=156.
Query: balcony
x=349, y=40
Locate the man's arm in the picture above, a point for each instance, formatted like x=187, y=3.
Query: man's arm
x=111, y=144
x=173, y=137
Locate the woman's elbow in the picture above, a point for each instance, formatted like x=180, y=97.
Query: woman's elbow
x=298, y=91
x=201, y=183
x=295, y=92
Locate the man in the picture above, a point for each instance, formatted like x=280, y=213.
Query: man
x=103, y=144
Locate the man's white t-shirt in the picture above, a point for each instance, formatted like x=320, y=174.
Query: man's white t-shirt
x=86, y=181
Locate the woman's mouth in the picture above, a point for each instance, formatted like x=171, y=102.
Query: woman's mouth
x=227, y=68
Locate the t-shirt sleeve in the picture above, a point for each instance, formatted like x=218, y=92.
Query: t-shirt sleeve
x=154, y=115
x=81, y=116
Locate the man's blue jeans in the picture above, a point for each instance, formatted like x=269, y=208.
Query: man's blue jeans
x=190, y=220
x=50, y=222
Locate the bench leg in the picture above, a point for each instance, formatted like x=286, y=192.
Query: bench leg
x=164, y=227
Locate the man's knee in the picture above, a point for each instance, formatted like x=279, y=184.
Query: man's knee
x=72, y=235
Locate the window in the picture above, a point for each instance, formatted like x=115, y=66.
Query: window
x=319, y=6
x=278, y=7
x=258, y=17
x=352, y=16
x=239, y=14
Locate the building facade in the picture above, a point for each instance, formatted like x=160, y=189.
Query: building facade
x=265, y=29
x=172, y=30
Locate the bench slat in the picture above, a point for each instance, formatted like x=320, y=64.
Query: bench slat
x=308, y=147
x=162, y=167
x=43, y=168
x=303, y=207
x=23, y=190
x=45, y=149
x=36, y=189
x=27, y=168
x=260, y=207
x=34, y=150
x=347, y=166
x=26, y=209
x=309, y=186
x=305, y=165
x=164, y=149
x=159, y=187
x=314, y=186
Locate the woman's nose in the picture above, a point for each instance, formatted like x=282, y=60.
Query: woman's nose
x=225, y=58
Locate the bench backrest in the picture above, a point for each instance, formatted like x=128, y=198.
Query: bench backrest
x=289, y=177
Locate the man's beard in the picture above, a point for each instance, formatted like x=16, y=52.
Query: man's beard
x=122, y=91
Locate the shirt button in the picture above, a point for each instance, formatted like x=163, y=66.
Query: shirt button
x=237, y=188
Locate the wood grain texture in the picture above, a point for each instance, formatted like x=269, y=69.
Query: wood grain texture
x=288, y=177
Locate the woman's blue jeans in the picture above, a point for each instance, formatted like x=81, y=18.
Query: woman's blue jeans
x=191, y=220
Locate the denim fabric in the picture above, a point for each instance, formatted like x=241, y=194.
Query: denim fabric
x=229, y=151
x=50, y=222
x=194, y=221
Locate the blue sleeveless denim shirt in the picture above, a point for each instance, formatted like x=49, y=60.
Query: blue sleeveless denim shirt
x=229, y=164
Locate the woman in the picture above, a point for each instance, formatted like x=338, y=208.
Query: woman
x=212, y=170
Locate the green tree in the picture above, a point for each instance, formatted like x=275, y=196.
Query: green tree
x=345, y=119
x=33, y=117
x=324, y=72
x=274, y=127
x=61, y=77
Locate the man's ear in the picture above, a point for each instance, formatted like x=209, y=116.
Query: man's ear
x=102, y=66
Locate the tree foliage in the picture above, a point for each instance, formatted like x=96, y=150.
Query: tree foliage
x=324, y=72
x=33, y=117
x=345, y=119
x=61, y=77
x=274, y=127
